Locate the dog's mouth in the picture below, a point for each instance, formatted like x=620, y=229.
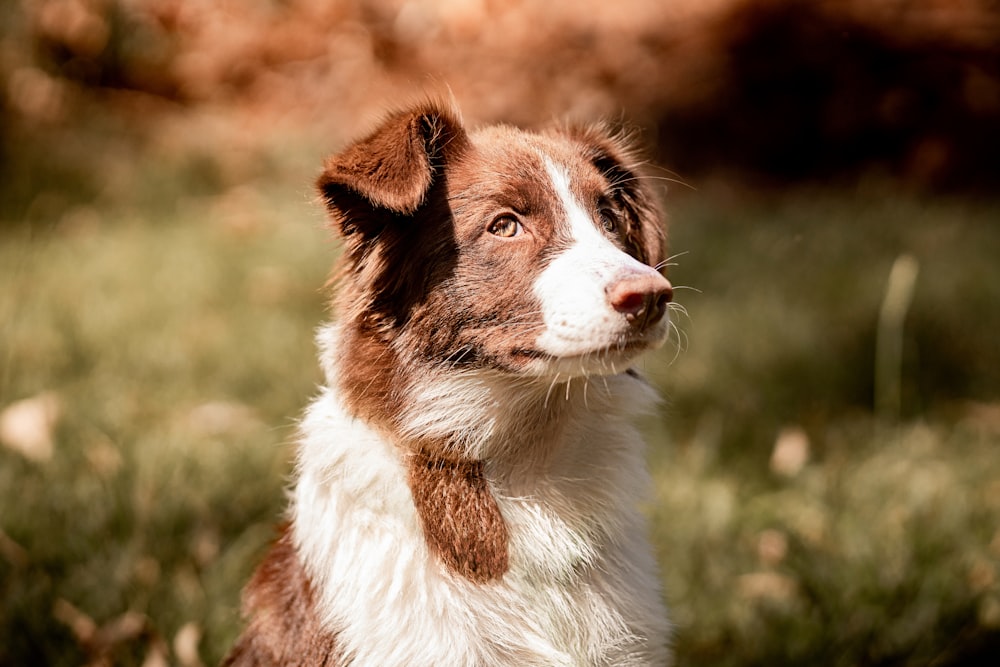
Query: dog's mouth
x=607, y=350
x=601, y=359
x=530, y=354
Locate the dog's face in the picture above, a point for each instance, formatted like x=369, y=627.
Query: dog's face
x=502, y=249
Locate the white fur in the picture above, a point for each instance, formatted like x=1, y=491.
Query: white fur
x=579, y=320
x=582, y=587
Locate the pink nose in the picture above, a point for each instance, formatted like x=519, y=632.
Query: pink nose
x=642, y=298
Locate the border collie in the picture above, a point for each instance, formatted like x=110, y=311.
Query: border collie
x=468, y=481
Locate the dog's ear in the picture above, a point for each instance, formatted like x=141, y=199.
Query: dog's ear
x=391, y=171
x=614, y=155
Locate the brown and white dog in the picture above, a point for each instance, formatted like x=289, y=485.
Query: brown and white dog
x=468, y=480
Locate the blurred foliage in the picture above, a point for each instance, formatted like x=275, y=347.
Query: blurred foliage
x=810, y=268
x=819, y=90
x=883, y=551
x=170, y=413
x=771, y=89
x=161, y=267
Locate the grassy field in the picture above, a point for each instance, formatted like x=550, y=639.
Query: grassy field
x=162, y=352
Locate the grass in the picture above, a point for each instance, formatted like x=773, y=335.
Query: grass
x=180, y=352
x=176, y=341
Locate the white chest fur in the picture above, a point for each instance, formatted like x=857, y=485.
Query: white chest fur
x=582, y=587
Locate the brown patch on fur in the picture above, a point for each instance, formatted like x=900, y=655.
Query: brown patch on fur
x=614, y=157
x=394, y=167
x=284, y=628
x=386, y=197
x=375, y=389
x=460, y=517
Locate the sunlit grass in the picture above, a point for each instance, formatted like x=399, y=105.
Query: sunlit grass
x=180, y=353
x=177, y=347
x=882, y=551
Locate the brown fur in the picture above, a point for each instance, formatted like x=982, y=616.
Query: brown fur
x=643, y=236
x=394, y=167
x=285, y=628
x=460, y=517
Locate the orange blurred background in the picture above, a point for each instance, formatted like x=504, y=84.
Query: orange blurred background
x=773, y=90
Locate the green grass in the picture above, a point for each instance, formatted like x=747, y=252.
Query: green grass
x=178, y=342
x=180, y=351
x=882, y=552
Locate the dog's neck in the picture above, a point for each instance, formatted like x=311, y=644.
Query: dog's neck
x=540, y=523
x=464, y=436
x=501, y=419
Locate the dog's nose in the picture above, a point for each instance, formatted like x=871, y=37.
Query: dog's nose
x=641, y=298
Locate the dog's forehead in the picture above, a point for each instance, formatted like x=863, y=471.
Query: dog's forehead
x=516, y=160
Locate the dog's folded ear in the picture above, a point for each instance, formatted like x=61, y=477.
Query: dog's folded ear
x=392, y=170
x=614, y=156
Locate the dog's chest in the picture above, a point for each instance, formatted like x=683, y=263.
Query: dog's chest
x=580, y=586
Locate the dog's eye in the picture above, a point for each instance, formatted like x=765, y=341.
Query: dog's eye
x=610, y=219
x=505, y=226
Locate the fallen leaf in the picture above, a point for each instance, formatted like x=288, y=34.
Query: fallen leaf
x=791, y=452
x=186, y=645
x=27, y=426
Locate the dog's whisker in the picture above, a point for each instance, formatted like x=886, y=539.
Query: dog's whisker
x=650, y=177
x=678, y=346
x=555, y=380
x=678, y=308
x=669, y=261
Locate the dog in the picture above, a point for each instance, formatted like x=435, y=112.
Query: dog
x=468, y=480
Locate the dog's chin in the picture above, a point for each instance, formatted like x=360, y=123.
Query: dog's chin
x=596, y=361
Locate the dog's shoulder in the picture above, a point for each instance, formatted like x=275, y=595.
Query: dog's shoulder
x=284, y=628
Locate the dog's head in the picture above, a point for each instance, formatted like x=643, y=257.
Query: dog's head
x=527, y=253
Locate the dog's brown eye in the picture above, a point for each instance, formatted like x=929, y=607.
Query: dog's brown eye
x=610, y=219
x=505, y=226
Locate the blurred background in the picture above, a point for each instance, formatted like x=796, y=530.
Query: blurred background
x=827, y=459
